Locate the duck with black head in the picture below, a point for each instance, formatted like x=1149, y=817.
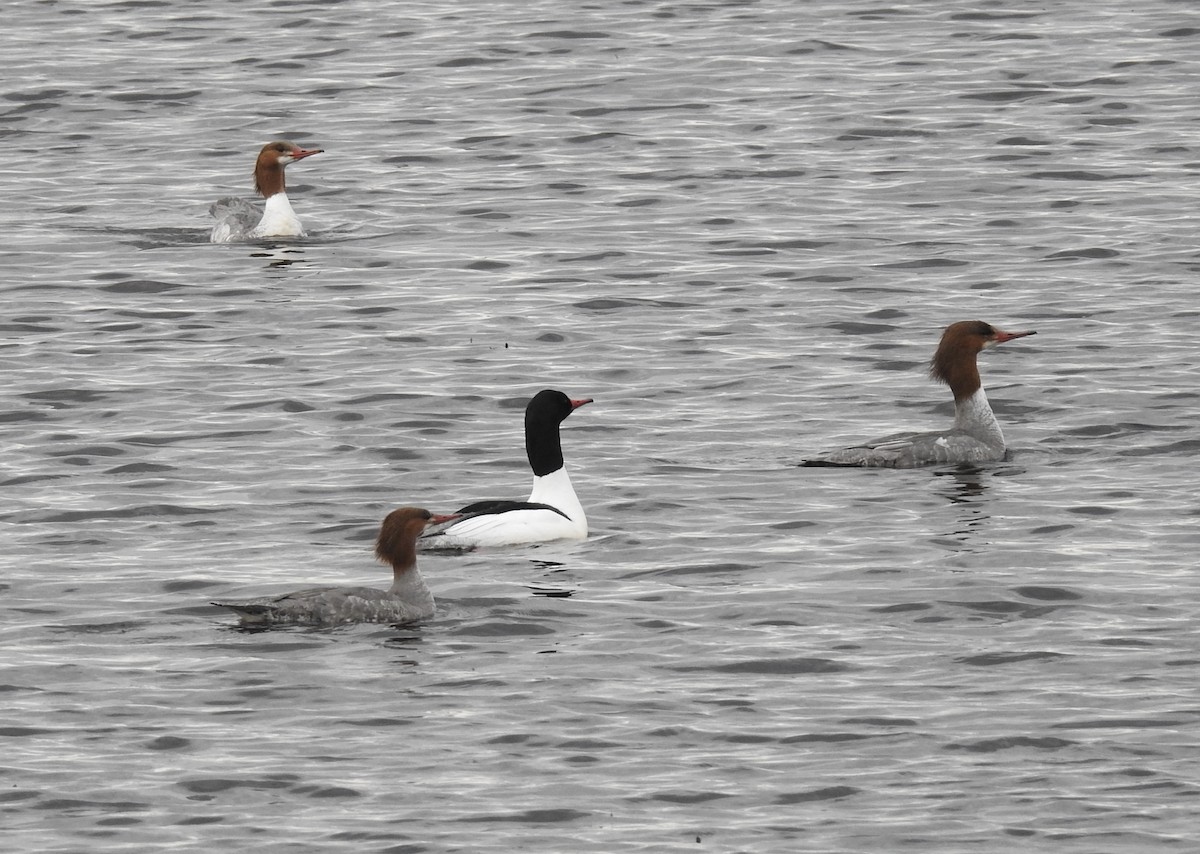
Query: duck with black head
x=552, y=511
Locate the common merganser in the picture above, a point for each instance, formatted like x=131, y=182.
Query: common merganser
x=407, y=600
x=552, y=511
x=975, y=436
x=238, y=219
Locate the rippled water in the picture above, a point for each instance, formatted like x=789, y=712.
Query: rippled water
x=740, y=227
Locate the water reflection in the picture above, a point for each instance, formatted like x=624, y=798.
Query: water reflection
x=280, y=255
x=965, y=489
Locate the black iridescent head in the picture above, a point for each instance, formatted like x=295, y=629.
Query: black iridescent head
x=543, y=415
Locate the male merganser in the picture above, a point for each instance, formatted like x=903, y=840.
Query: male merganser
x=408, y=598
x=552, y=511
x=975, y=436
x=238, y=219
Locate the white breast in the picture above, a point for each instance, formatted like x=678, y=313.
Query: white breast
x=278, y=219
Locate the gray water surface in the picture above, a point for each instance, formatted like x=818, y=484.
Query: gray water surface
x=740, y=227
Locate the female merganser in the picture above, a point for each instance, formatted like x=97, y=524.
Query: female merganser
x=552, y=512
x=238, y=219
x=975, y=436
x=408, y=598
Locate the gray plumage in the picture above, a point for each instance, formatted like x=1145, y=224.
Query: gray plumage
x=407, y=600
